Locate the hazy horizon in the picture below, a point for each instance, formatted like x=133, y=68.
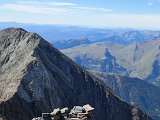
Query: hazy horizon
x=17, y=25
x=144, y=14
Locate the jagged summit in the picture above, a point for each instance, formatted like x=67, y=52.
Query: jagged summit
x=35, y=77
x=13, y=29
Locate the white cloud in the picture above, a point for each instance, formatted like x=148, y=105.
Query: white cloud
x=61, y=4
x=153, y=2
x=51, y=8
x=54, y=3
x=34, y=9
x=149, y=3
x=93, y=9
x=29, y=2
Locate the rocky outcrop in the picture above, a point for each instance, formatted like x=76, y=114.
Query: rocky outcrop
x=35, y=77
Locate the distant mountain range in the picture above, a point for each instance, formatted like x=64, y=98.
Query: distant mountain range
x=137, y=59
x=122, y=37
x=54, y=33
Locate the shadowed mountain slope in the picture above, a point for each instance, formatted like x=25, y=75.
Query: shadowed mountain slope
x=134, y=91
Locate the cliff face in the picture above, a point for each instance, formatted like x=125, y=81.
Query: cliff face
x=36, y=78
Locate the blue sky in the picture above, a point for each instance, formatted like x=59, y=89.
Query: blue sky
x=143, y=14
